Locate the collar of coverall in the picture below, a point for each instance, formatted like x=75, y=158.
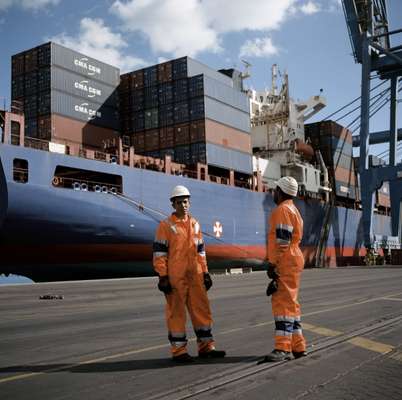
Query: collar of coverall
x=176, y=219
x=287, y=201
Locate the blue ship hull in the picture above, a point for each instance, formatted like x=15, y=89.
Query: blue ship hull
x=53, y=233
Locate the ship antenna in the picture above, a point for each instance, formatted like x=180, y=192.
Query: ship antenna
x=274, y=76
x=246, y=74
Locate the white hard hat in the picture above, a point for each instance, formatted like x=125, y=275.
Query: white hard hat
x=288, y=185
x=179, y=191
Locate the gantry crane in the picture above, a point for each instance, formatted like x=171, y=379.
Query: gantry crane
x=370, y=38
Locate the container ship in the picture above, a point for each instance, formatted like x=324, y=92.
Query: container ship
x=88, y=158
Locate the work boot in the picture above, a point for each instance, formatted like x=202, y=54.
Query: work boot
x=184, y=358
x=275, y=356
x=299, y=354
x=212, y=354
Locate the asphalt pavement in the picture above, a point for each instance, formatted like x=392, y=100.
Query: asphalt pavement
x=107, y=339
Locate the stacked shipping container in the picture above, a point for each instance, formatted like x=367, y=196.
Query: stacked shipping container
x=189, y=111
x=335, y=144
x=66, y=95
x=382, y=195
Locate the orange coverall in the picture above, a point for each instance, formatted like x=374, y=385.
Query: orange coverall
x=285, y=234
x=179, y=252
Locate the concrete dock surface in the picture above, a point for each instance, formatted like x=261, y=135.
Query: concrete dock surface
x=107, y=340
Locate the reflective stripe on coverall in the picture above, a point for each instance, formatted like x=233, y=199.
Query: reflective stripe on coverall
x=179, y=252
x=285, y=234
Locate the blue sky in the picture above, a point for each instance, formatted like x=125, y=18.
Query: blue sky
x=308, y=38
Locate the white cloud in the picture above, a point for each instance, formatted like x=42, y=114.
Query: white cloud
x=188, y=27
x=27, y=4
x=335, y=5
x=178, y=27
x=97, y=40
x=259, y=47
x=310, y=8
x=237, y=15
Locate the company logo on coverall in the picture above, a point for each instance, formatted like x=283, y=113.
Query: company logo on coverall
x=85, y=109
x=84, y=64
x=85, y=87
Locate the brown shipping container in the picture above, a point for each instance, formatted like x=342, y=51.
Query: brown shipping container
x=224, y=135
x=125, y=105
x=343, y=175
x=166, y=137
x=45, y=127
x=151, y=140
x=126, y=125
x=17, y=62
x=382, y=195
x=137, y=79
x=327, y=128
x=165, y=72
x=197, y=131
x=382, y=199
x=138, y=141
x=125, y=83
x=31, y=60
x=69, y=129
x=182, y=134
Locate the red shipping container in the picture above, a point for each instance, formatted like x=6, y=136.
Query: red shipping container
x=137, y=79
x=137, y=140
x=31, y=60
x=165, y=72
x=151, y=140
x=166, y=137
x=197, y=131
x=182, y=134
x=125, y=83
x=344, y=175
x=17, y=65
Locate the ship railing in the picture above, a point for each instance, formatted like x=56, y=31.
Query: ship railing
x=86, y=185
x=243, y=184
x=35, y=143
x=188, y=173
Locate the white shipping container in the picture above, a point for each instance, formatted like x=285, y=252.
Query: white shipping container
x=84, y=110
x=227, y=115
x=230, y=159
x=84, y=87
x=84, y=65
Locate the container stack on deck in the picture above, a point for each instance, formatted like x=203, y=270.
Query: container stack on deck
x=335, y=144
x=189, y=111
x=66, y=95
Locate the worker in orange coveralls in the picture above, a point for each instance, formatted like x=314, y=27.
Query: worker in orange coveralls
x=180, y=261
x=285, y=264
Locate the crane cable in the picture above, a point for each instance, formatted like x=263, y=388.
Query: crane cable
x=150, y=210
x=353, y=101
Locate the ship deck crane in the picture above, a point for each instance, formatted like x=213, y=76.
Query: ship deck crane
x=367, y=23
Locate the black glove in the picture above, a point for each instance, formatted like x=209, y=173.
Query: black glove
x=272, y=274
x=164, y=285
x=272, y=287
x=207, y=281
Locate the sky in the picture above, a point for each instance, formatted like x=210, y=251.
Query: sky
x=306, y=38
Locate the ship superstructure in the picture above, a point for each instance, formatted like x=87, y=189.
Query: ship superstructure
x=278, y=139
